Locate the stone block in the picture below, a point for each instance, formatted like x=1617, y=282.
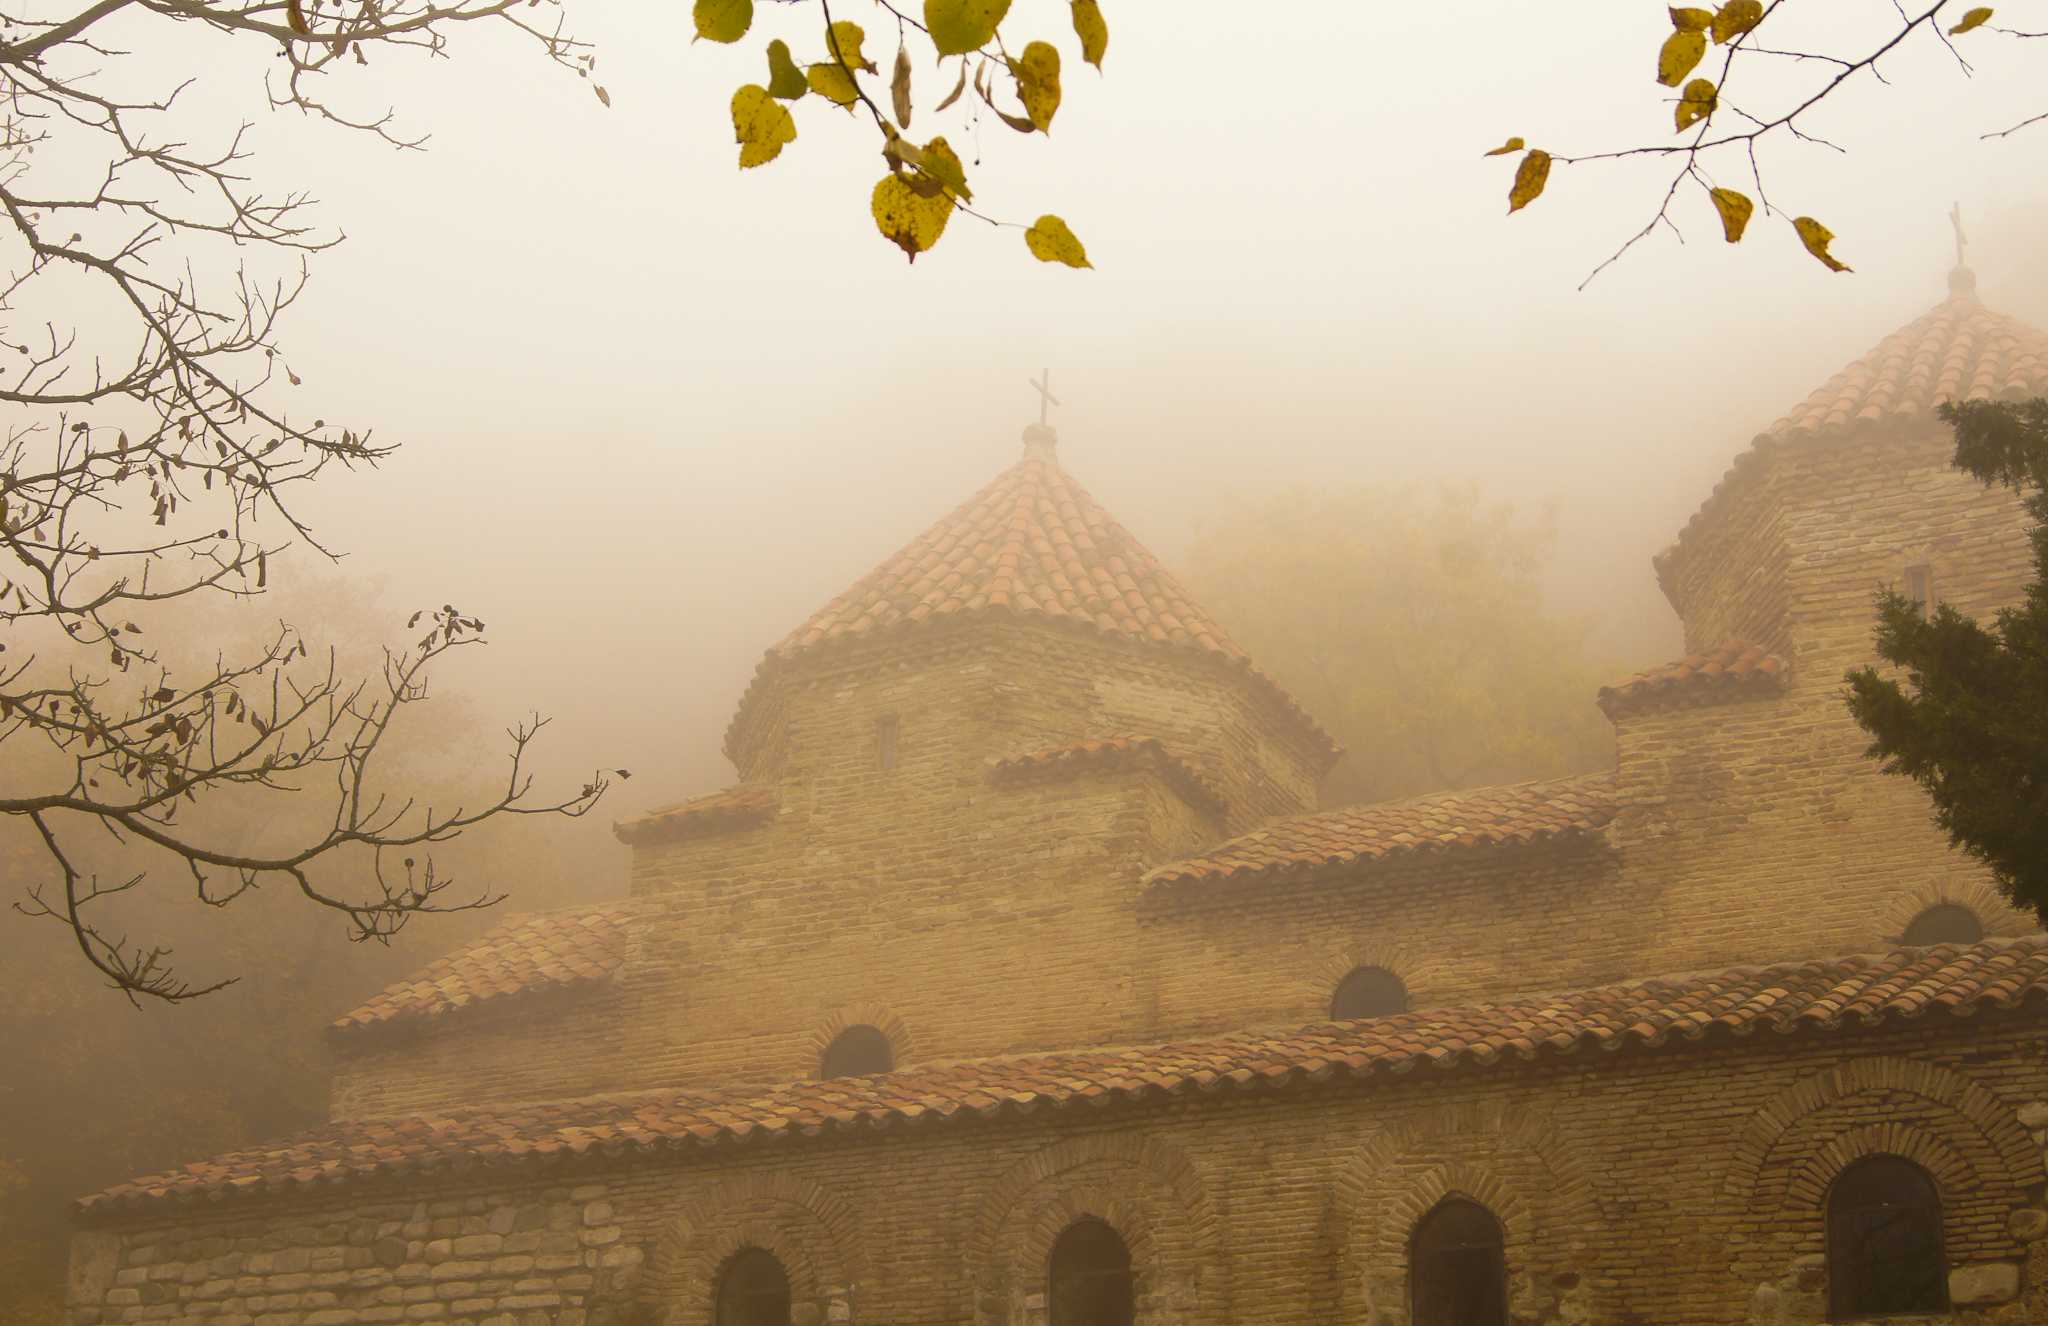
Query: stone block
x=2028, y=1223
x=1985, y=1282
x=597, y=1213
x=479, y=1245
x=503, y=1219
x=2034, y=1115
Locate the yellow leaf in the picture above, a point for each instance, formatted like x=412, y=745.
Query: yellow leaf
x=1511, y=145
x=1093, y=32
x=832, y=83
x=1050, y=241
x=959, y=26
x=843, y=42
x=295, y=17
x=1530, y=177
x=1037, y=72
x=1696, y=103
x=1735, y=209
x=723, y=20
x=1735, y=18
x=907, y=219
x=899, y=86
x=1976, y=18
x=941, y=163
x=1692, y=20
x=1682, y=51
x=1816, y=237
x=785, y=80
x=760, y=124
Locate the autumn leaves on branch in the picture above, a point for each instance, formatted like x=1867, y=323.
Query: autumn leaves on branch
x=1701, y=103
x=926, y=182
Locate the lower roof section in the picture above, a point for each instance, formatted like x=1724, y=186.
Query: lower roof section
x=1815, y=998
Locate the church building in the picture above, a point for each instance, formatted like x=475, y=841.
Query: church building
x=1019, y=980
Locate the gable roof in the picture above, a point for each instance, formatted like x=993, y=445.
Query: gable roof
x=1307, y=844
x=1817, y=997
x=542, y=951
x=1035, y=546
x=1120, y=752
x=1731, y=670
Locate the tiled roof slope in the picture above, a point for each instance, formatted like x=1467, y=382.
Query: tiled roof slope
x=1113, y=753
x=1034, y=544
x=1959, y=350
x=735, y=807
x=1731, y=669
x=1815, y=997
x=547, y=950
x=1517, y=813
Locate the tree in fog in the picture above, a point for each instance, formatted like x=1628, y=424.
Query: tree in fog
x=1414, y=628
x=1969, y=720
x=156, y=453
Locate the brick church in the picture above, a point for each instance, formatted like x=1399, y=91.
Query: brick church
x=1019, y=981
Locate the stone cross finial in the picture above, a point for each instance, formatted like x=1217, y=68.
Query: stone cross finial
x=1043, y=385
x=1961, y=280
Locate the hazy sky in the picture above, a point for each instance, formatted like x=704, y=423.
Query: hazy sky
x=656, y=411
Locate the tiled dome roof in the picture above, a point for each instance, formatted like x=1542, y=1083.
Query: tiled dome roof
x=1032, y=544
x=1959, y=350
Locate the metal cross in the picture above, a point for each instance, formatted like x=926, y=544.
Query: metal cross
x=1955, y=218
x=1045, y=396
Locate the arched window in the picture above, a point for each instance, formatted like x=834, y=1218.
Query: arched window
x=1884, y=1241
x=856, y=1052
x=1369, y=992
x=1456, y=1268
x=1091, y=1277
x=1945, y=923
x=753, y=1290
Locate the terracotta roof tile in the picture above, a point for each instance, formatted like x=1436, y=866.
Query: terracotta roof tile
x=1732, y=669
x=1035, y=545
x=1111, y=753
x=548, y=950
x=1818, y=996
x=1517, y=813
x=1959, y=350
x=733, y=808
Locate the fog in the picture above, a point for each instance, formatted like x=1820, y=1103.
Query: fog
x=656, y=411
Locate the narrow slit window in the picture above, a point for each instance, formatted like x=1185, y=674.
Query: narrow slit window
x=885, y=742
x=1920, y=587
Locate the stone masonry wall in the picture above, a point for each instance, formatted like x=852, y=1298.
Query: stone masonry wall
x=1761, y=829
x=1671, y=1187
x=966, y=916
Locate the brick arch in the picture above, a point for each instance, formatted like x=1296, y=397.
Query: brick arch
x=1971, y=1104
x=1145, y=1189
x=1950, y=1169
x=1321, y=979
x=1511, y=1160
x=1997, y=916
x=878, y=1016
x=809, y=1229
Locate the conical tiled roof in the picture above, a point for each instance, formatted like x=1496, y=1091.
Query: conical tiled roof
x=1957, y=351
x=1035, y=545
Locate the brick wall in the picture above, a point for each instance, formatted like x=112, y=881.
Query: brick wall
x=1680, y=1185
